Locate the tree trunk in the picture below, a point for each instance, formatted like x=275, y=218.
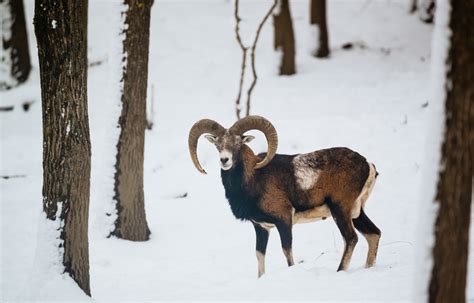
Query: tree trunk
x=318, y=17
x=454, y=190
x=284, y=38
x=61, y=32
x=131, y=221
x=15, y=58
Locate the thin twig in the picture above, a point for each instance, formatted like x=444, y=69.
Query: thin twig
x=252, y=54
x=244, y=57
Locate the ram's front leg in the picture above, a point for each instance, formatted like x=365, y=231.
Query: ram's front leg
x=261, y=247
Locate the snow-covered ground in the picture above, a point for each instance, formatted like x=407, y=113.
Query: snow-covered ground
x=373, y=99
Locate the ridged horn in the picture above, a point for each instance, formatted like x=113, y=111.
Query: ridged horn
x=204, y=126
x=263, y=125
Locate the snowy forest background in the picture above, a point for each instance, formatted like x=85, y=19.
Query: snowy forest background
x=374, y=94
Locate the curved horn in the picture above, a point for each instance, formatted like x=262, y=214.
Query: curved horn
x=201, y=127
x=263, y=125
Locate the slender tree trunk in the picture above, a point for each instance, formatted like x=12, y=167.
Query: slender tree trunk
x=61, y=32
x=284, y=38
x=454, y=190
x=131, y=221
x=15, y=58
x=318, y=17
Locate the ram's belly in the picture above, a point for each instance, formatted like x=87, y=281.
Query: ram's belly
x=310, y=215
x=265, y=224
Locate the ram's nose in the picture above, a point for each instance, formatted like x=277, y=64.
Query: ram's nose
x=224, y=160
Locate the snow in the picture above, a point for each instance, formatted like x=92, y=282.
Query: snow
x=374, y=99
x=439, y=89
x=47, y=272
x=315, y=36
x=108, y=133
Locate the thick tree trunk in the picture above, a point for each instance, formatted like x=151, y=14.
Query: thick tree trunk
x=454, y=190
x=131, y=221
x=284, y=38
x=61, y=32
x=15, y=58
x=318, y=17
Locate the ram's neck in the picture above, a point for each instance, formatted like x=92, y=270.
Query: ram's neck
x=237, y=184
x=242, y=173
x=248, y=160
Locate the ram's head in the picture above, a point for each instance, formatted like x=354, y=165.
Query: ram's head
x=229, y=142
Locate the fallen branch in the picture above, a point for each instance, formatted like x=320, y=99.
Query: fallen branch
x=6, y=108
x=12, y=176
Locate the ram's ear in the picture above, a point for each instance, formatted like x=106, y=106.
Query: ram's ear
x=247, y=139
x=211, y=138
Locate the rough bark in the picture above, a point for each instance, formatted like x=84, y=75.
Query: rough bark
x=318, y=17
x=62, y=50
x=454, y=189
x=131, y=221
x=14, y=45
x=284, y=38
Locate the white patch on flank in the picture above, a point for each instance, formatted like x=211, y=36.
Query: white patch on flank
x=226, y=154
x=306, y=176
x=365, y=192
x=54, y=24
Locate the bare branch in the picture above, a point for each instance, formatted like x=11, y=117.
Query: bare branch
x=244, y=55
x=252, y=54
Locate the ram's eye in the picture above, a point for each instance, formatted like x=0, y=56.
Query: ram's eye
x=247, y=139
x=211, y=138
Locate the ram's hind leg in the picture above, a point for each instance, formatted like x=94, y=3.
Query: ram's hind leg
x=261, y=246
x=371, y=234
x=344, y=223
x=286, y=237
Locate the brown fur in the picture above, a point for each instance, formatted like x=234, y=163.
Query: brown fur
x=343, y=174
x=330, y=183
